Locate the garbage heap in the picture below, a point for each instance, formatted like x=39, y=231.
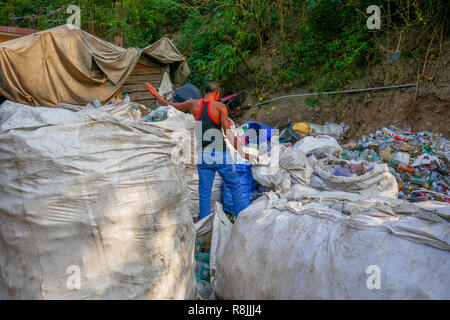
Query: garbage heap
x=328, y=225
x=418, y=160
x=315, y=162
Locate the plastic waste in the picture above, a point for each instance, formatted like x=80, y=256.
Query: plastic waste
x=418, y=160
x=97, y=103
x=395, y=57
x=202, y=269
x=205, y=288
x=341, y=172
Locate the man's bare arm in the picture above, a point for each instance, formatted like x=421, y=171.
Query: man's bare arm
x=226, y=125
x=184, y=106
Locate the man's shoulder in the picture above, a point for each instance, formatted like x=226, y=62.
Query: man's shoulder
x=193, y=102
x=218, y=104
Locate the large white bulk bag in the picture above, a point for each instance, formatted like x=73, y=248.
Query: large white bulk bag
x=376, y=182
x=320, y=145
x=335, y=245
x=283, y=167
x=91, y=207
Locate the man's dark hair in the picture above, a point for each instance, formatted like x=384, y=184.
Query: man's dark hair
x=211, y=86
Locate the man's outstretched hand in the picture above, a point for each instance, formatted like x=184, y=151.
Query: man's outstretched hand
x=251, y=158
x=152, y=90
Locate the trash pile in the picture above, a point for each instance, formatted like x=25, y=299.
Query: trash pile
x=327, y=216
x=316, y=161
x=293, y=132
x=418, y=160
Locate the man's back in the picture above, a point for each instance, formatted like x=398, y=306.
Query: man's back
x=214, y=111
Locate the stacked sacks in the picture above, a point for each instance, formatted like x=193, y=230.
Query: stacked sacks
x=373, y=180
x=91, y=207
x=418, y=160
x=312, y=161
x=282, y=167
x=333, y=230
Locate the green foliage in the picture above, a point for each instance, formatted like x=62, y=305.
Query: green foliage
x=139, y=22
x=210, y=56
x=322, y=45
x=326, y=49
x=312, y=102
x=331, y=47
x=146, y=21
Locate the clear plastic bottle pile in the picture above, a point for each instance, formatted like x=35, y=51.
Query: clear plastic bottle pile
x=202, y=270
x=418, y=160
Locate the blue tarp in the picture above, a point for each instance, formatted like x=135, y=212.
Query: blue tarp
x=248, y=185
x=257, y=127
x=187, y=92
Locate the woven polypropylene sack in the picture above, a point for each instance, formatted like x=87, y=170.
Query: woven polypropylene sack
x=91, y=207
x=335, y=245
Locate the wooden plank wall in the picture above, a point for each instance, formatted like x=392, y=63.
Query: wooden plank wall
x=135, y=85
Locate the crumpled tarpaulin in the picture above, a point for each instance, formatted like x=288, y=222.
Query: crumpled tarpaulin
x=58, y=66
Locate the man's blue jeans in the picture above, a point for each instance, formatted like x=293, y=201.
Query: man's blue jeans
x=210, y=161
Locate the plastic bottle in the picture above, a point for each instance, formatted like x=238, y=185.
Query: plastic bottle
x=205, y=271
x=203, y=257
x=199, y=246
x=204, y=288
x=417, y=181
x=97, y=103
x=386, y=131
x=126, y=98
x=395, y=57
x=202, y=268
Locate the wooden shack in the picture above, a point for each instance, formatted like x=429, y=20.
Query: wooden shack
x=146, y=70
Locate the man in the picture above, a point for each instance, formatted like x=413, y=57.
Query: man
x=210, y=116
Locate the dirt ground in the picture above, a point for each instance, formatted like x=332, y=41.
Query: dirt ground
x=364, y=112
x=368, y=111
